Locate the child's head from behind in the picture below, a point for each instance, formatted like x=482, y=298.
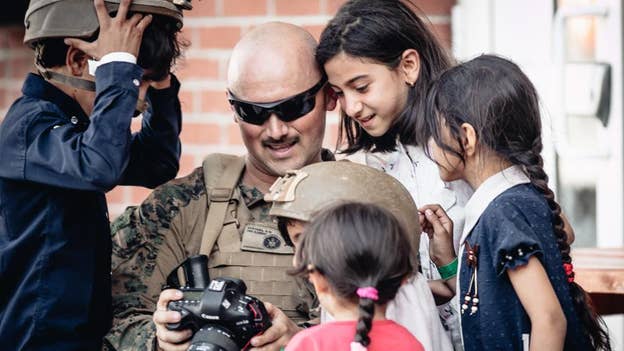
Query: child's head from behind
x=487, y=100
x=355, y=246
x=380, y=57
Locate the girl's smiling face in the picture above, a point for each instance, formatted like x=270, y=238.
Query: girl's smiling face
x=370, y=93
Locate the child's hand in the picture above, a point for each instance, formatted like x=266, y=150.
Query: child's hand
x=117, y=34
x=439, y=227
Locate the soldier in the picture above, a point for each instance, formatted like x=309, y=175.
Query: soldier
x=66, y=142
x=279, y=99
x=299, y=195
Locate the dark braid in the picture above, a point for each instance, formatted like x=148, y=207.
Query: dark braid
x=501, y=104
x=594, y=327
x=365, y=322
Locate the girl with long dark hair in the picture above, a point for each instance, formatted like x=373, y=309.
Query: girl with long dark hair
x=380, y=57
x=516, y=278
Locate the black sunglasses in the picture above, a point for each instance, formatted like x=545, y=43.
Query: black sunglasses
x=288, y=109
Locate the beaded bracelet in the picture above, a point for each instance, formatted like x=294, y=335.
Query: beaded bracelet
x=448, y=270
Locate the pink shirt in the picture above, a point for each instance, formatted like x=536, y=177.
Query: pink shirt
x=384, y=335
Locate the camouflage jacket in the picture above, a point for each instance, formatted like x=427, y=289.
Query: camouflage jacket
x=151, y=239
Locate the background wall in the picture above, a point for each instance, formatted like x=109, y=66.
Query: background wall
x=212, y=27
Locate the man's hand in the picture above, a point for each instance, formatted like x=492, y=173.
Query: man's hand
x=278, y=335
x=170, y=340
x=117, y=34
x=439, y=227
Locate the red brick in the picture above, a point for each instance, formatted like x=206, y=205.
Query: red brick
x=443, y=33
x=138, y=194
x=297, y=7
x=244, y=7
x=3, y=103
x=424, y=7
x=234, y=136
x=4, y=64
x=315, y=31
x=202, y=8
x=185, y=36
x=186, y=101
x=12, y=38
x=20, y=67
x=199, y=133
x=198, y=68
x=11, y=95
x=435, y=7
x=219, y=37
x=334, y=5
x=187, y=165
x=116, y=195
x=215, y=101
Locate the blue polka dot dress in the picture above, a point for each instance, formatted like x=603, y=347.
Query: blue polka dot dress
x=514, y=225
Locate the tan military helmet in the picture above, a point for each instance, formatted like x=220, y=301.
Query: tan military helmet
x=302, y=193
x=77, y=18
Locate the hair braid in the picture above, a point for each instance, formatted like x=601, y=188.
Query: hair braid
x=593, y=325
x=365, y=322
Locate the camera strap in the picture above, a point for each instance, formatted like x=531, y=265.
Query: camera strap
x=220, y=188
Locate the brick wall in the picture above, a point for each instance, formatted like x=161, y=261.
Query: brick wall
x=212, y=27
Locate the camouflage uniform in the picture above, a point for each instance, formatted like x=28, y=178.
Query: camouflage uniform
x=150, y=240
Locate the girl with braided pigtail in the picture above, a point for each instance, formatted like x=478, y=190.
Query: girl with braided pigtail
x=515, y=278
x=356, y=256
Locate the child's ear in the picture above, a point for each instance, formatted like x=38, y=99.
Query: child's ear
x=319, y=281
x=76, y=61
x=331, y=98
x=410, y=66
x=468, y=139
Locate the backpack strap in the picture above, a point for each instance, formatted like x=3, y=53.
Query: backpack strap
x=221, y=175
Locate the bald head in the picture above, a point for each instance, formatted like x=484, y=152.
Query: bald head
x=273, y=61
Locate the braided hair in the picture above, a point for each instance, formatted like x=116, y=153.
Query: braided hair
x=357, y=247
x=380, y=31
x=494, y=96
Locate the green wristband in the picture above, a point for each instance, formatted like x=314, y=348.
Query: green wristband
x=449, y=270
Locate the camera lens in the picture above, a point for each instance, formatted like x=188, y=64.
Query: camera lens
x=213, y=338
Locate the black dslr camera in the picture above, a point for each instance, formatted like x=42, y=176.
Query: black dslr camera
x=220, y=314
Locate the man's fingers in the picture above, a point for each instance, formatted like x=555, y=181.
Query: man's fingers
x=267, y=348
x=144, y=22
x=270, y=308
x=173, y=336
x=122, y=11
x=165, y=346
x=166, y=296
x=101, y=12
x=81, y=45
x=274, y=332
x=134, y=19
x=269, y=336
x=164, y=317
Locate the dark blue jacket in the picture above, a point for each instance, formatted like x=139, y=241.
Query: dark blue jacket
x=56, y=163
